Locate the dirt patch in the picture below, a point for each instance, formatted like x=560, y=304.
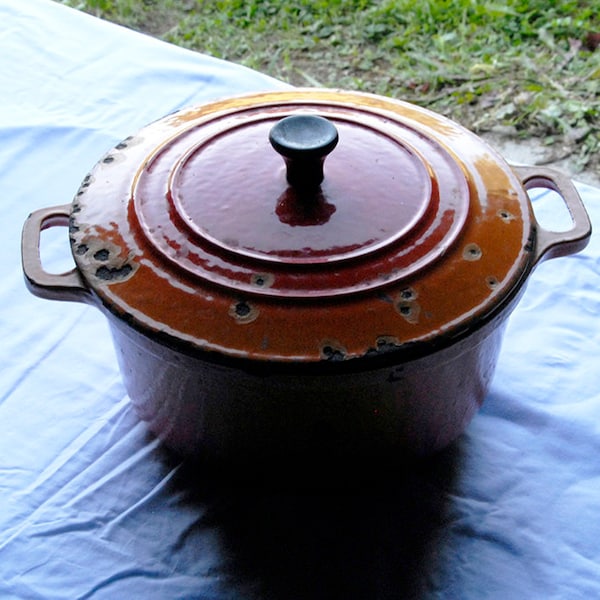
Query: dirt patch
x=534, y=152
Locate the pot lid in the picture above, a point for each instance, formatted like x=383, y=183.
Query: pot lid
x=304, y=225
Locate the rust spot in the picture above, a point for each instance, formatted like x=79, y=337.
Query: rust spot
x=506, y=216
x=472, y=252
x=110, y=159
x=113, y=273
x=409, y=310
x=101, y=258
x=387, y=343
x=243, y=312
x=491, y=282
x=122, y=145
x=406, y=305
x=383, y=345
x=102, y=255
x=87, y=181
x=333, y=351
x=263, y=280
x=408, y=294
x=242, y=309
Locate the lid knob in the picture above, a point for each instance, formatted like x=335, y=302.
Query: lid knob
x=304, y=141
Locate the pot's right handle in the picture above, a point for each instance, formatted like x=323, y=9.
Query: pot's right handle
x=61, y=286
x=552, y=244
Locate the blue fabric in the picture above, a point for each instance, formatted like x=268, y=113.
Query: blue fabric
x=92, y=506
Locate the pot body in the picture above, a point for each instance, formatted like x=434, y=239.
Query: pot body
x=220, y=413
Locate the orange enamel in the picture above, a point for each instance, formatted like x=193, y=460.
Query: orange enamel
x=461, y=256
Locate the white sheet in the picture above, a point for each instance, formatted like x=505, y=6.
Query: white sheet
x=91, y=506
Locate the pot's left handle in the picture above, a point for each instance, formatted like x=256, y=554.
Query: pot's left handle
x=60, y=286
x=552, y=244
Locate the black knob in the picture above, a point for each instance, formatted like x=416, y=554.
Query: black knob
x=304, y=141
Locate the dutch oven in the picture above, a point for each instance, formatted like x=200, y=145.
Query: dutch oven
x=304, y=269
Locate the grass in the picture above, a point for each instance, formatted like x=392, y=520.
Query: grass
x=524, y=67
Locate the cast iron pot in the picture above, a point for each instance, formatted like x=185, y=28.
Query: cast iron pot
x=262, y=300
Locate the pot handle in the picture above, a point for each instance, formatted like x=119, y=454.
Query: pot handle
x=553, y=244
x=61, y=286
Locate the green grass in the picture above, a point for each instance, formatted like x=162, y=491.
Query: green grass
x=527, y=66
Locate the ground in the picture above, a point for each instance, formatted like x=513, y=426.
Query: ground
x=524, y=76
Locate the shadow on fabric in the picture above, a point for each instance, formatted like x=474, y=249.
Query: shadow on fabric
x=371, y=533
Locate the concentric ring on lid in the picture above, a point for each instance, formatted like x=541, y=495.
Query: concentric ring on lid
x=218, y=205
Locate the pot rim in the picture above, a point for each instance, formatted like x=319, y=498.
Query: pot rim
x=406, y=357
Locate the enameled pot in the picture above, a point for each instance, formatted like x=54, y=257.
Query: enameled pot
x=304, y=270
